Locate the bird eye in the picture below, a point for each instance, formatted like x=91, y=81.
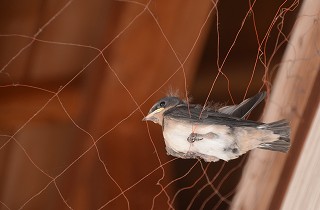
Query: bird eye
x=162, y=103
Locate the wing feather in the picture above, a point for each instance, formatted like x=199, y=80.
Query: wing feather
x=243, y=109
x=192, y=115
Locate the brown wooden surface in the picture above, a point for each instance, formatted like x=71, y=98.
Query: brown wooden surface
x=143, y=60
x=303, y=191
x=265, y=171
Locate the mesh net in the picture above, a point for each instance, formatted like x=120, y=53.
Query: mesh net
x=76, y=79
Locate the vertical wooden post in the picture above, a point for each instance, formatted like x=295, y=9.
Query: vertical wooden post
x=293, y=96
x=303, y=191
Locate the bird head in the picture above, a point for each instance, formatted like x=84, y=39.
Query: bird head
x=156, y=112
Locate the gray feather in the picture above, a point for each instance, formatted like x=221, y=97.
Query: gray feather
x=231, y=116
x=192, y=115
x=281, y=128
x=243, y=109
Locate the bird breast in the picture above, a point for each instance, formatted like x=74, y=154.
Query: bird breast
x=212, y=140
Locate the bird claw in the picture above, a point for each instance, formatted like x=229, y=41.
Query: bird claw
x=194, y=137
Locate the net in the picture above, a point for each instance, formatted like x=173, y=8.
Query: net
x=76, y=79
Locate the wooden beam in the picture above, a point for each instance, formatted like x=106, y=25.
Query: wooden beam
x=267, y=173
x=303, y=192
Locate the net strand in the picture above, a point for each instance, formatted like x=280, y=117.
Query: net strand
x=261, y=55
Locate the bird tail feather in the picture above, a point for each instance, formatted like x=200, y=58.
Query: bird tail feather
x=282, y=128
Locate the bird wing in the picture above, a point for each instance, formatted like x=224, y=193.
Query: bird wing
x=243, y=109
x=196, y=114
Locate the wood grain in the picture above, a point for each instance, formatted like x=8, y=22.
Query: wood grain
x=289, y=99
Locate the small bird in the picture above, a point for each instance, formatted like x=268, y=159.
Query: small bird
x=194, y=131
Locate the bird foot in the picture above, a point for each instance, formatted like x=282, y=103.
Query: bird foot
x=194, y=137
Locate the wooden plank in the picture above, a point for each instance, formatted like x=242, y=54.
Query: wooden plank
x=303, y=192
x=266, y=172
x=19, y=103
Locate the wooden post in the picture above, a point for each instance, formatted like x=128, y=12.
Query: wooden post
x=303, y=191
x=294, y=97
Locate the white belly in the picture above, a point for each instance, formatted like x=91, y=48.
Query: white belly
x=176, y=135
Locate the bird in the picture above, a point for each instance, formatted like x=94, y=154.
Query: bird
x=192, y=131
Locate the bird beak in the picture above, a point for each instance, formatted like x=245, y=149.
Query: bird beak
x=151, y=117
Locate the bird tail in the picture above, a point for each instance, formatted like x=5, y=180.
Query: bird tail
x=282, y=144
